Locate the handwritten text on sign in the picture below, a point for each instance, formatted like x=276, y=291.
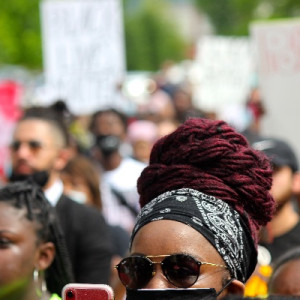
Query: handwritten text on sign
x=279, y=47
x=83, y=51
x=226, y=66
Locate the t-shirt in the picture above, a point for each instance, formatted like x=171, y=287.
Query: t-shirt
x=283, y=243
x=55, y=297
x=123, y=179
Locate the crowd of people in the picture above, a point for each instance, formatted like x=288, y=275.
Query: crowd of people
x=168, y=198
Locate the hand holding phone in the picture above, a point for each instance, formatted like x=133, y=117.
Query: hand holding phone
x=84, y=291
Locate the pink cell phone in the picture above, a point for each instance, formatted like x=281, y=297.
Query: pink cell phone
x=84, y=291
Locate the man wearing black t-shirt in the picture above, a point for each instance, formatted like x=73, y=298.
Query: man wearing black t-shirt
x=283, y=232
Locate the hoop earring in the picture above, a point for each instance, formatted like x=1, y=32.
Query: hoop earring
x=35, y=276
x=40, y=284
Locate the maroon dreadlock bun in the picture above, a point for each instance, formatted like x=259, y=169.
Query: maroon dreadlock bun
x=211, y=157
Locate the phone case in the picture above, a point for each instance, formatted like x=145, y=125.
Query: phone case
x=84, y=291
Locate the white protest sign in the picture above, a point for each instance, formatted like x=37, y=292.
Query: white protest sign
x=83, y=44
x=277, y=45
x=226, y=71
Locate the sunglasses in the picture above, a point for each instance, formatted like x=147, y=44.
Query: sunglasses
x=181, y=270
x=33, y=145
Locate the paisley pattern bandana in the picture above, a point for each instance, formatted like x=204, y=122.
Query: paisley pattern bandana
x=220, y=224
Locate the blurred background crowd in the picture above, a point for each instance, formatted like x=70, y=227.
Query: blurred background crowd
x=108, y=147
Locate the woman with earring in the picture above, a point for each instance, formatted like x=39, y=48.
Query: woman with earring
x=34, y=264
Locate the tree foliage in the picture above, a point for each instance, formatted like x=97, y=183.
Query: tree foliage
x=232, y=17
x=20, y=37
x=151, y=37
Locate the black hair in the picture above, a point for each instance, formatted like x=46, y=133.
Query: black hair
x=27, y=195
x=122, y=117
x=291, y=255
x=51, y=116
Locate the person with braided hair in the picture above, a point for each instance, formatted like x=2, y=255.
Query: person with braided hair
x=204, y=197
x=33, y=256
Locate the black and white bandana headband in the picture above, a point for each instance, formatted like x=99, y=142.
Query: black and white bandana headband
x=220, y=224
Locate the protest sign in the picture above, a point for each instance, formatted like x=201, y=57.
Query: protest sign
x=83, y=46
x=10, y=97
x=277, y=48
x=226, y=71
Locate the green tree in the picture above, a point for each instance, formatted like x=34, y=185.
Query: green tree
x=232, y=17
x=20, y=37
x=151, y=36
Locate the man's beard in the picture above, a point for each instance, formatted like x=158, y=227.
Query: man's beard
x=39, y=177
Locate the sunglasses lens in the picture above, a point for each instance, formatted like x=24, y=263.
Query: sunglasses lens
x=181, y=270
x=34, y=145
x=135, y=271
x=15, y=145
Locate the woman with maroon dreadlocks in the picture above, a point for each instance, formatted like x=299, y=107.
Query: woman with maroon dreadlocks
x=204, y=196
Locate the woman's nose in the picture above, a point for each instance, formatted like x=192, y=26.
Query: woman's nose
x=158, y=281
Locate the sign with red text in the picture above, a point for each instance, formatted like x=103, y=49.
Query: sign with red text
x=277, y=48
x=83, y=46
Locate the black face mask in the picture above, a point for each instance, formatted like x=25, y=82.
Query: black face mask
x=108, y=144
x=176, y=294
x=39, y=177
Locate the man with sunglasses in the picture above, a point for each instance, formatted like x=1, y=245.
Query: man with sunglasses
x=39, y=149
x=204, y=196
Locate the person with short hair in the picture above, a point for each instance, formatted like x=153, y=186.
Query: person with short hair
x=119, y=171
x=204, y=196
x=39, y=150
x=285, y=276
x=283, y=232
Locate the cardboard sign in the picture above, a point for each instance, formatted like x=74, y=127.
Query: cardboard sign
x=277, y=45
x=226, y=71
x=83, y=46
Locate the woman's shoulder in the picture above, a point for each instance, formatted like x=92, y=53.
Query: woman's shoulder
x=54, y=297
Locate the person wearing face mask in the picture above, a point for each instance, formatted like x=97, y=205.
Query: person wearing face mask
x=119, y=172
x=81, y=182
x=204, y=196
x=39, y=149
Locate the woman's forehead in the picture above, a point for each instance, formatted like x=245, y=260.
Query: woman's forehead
x=169, y=237
x=13, y=217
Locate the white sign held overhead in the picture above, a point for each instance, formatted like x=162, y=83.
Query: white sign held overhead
x=277, y=48
x=83, y=45
x=226, y=71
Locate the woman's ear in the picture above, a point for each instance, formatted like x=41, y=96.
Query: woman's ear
x=236, y=287
x=46, y=254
